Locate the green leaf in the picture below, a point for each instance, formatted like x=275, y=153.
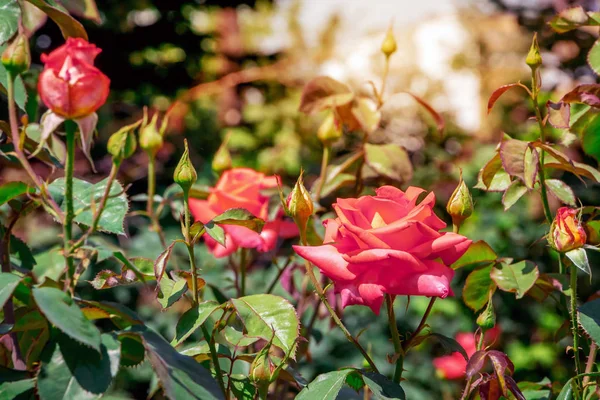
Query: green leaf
x=170, y=291
x=477, y=287
x=450, y=345
x=593, y=57
x=83, y=8
x=325, y=386
x=11, y=190
x=132, y=350
x=73, y=371
x=68, y=25
x=478, y=252
x=571, y=18
x=561, y=191
x=532, y=159
x=492, y=176
x=239, y=217
x=10, y=12
x=14, y=389
x=331, y=185
x=367, y=114
x=580, y=259
x=61, y=311
x=323, y=92
x=50, y=264
x=180, y=376
x=267, y=316
x=86, y=193
x=22, y=252
x=382, y=387
x=355, y=381
x=589, y=319
x=242, y=387
x=389, y=160
x=567, y=391
x=517, y=278
x=515, y=191
x=192, y=319
x=8, y=283
x=216, y=232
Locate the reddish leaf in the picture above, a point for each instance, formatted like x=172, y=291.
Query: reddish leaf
x=501, y=363
x=587, y=94
x=476, y=363
x=490, y=389
x=559, y=114
x=500, y=91
x=512, y=154
x=160, y=265
x=439, y=121
x=492, y=177
x=512, y=386
x=323, y=92
x=563, y=162
x=532, y=164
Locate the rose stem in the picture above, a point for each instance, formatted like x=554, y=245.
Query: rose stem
x=335, y=317
x=14, y=130
x=151, y=185
x=109, y=182
x=399, y=353
x=242, y=272
x=574, y=322
x=194, y=270
x=323, y=177
x=70, y=128
x=590, y=362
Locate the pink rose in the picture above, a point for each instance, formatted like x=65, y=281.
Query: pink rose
x=454, y=365
x=242, y=188
x=386, y=244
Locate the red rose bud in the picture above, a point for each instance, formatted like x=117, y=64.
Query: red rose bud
x=389, y=46
x=566, y=232
x=16, y=58
x=151, y=136
x=185, y=174
x=70, y=85
x=330, y=130
x=460, y=205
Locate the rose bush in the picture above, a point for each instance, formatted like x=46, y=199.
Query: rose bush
x=242, y=188
x=387, y=244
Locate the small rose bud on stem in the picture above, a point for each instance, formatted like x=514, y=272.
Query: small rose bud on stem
x=16, y=58
x=222, y=159
x=460, y=205
x=330, y=130
x=122, y=144
x=389, y=46
x=534, y=58
x=185, y=174
x=300, y=206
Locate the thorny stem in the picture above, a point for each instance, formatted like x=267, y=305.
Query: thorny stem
x=70, y=128
x=590, y=362
x=574, y=322
x=323, y=177
x=541, y=172
x=9, y=313
x=100, y=209
x=210, y=340
x=399, y=352
x=14, y=130
x=336, y=319
x=151, y=185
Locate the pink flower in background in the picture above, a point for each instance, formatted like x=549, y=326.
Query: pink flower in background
x=70, y=85
x=242, y=188
x=386, y=244
x=454, y=365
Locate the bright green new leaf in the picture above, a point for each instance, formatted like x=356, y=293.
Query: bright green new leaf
x=478, y=252
x=62, y=312
x=11, y=190
x=267, y=316
x=517, y=278
x=477, y=287
x=593, y=57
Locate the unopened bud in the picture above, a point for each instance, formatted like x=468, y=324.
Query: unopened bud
x=151, y=136
x=16, y=58
x=487, y=319
x=122, y=144
x=460, y=205
x=330, y=130
x=534, y=58
x=222, y=159
x=263, y=371
x=389, y=46
x=566, y=231
x=300, y=205
x=185, y=175
x=592, y=230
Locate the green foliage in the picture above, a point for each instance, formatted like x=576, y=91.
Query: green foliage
x=390, y=161
x=589, y=319
x=517, y=278
x=8, y=283
x=478, y=286
x=171, y=291
x=192, y=319
x=12, y=190
x=10, y=12
x=86, y=199
x=68, y=25
x=62, y=311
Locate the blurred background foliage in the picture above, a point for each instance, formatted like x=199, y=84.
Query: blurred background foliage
x=236, y=69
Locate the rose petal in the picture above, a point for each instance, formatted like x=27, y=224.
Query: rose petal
x=327, y=259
